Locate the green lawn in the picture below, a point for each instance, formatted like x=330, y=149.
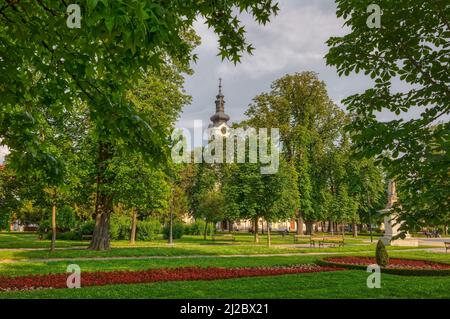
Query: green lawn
x=187, y=246
x=24, y=268
x=30, y=240
x=341, y=284
x=345, y=284
x=182, y=250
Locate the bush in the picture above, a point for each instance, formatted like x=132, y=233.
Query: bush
x=65, y=218
x=69, y=235
x=120, y=227
x=148, y=229
x=87, y=228
x=44, y=227
x=381, y=255
x=198, y=228
x=177, y=230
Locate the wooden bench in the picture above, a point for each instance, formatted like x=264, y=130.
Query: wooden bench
x=86, y=237
x=447, y=246
x=223, y=237
x=321, y=240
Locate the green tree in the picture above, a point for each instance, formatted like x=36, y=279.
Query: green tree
x=411, y=49
x=211, y=208
x=252, y=195
x=139, y=188
x=309, y=122
x=45, y=63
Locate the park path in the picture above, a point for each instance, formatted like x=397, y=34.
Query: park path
x=45, y=260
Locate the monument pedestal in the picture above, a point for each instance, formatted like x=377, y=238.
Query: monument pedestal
x=391, y=229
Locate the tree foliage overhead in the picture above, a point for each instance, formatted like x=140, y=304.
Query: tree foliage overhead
x=43, y=62
x=411, y=51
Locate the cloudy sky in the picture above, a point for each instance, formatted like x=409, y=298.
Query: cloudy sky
x=294, y=41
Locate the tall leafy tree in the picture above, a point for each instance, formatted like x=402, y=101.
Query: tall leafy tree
x=411, y=49
x=252, y=195
x=43, y=61
x=211, y=208
x=139, y=188
x=309, y=122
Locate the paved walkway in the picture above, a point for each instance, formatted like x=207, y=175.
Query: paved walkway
x=44, y=260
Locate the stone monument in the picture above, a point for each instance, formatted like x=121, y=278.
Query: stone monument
x=391, y=225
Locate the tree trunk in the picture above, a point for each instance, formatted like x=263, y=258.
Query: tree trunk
x=355, y=229
x=300, y=224
x=133, y=227
x=52, y=247
x=262, y=227
x=256, y=223
x=104, y=202
x=206, y=229
x=330, y=227
x=309, y=228
x=268, y=235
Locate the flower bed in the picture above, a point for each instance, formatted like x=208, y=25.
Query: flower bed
x=396, y=265
x=151, y=275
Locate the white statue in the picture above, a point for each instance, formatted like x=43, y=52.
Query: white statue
x=391, y=225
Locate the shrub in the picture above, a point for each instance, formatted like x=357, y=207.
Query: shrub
x=198, y=228
x=381, y=254
x=44, y=227
x=148, y=229
x=65, y=218
x=87, y=228
x=120, y=227
x=177, y=230
x=69, y=235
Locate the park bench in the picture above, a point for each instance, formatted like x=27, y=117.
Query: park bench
x=86, y=237
x=447, y=246
x=321, y=240
x=223, y=237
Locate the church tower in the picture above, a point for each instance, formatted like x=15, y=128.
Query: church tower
x=219, y=119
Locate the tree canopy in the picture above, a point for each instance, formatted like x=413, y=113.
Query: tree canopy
x=407, y=58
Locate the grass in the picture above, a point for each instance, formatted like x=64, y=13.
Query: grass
x=24, y=268
x=341, y=284
x=30, y=240
x=182, y=249
x=17, y=269
x=345, y=284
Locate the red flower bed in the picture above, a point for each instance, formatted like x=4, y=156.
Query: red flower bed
x=151, y=275
x=394, y=263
